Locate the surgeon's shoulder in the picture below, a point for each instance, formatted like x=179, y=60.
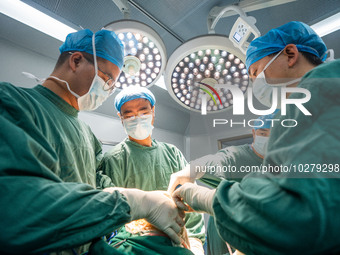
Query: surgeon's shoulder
x=325, y=70
x=234, y=149
x=166, y=146
x=9, y=89
x=12, y=97
x=117, y=151
x=323, y=80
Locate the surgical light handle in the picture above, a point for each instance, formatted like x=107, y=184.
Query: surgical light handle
x=241, y=31
x=212, y=21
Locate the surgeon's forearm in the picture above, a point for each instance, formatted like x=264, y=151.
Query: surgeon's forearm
x=51, y=216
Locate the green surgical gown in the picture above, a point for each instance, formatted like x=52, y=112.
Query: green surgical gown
x=290, y=213
x=132, y=165
x=216, y=165
x=238, y=156
x=48, y=161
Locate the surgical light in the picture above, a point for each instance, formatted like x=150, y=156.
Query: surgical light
x=199, y=70
x=198, y=67
x=144, y=50
x=34, y=18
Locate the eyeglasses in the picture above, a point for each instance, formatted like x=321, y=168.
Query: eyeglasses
x=109, y=82
x=142, y=115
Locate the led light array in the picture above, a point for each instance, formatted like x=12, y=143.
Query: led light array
x=208, y=67
x=146, y=51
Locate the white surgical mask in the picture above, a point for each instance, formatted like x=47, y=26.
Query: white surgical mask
x=139, y=128
x=263, y=91
x=260, y=144
x=96, y=94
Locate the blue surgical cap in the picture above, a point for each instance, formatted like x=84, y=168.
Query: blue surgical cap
x=264, y=121
x=131, y=93
x=294, y=32
x=108, y=46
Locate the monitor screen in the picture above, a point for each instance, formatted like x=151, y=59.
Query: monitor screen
x=237, y=37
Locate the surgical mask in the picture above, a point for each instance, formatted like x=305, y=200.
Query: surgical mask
x=96, y=94
x=263, y=90
x=138, y=128
x=331, y=55
x=260, y=144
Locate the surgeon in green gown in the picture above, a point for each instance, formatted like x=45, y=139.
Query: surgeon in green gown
x=286, y=212
x=239, y=156
x=145, y=163
x=48, y=157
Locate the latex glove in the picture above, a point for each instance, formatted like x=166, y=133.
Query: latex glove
x=183, y=176
x=196, y=246
x=156, y=208
x=199, y=198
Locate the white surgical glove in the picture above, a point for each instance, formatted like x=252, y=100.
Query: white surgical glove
x=183, y=176
x=156, y=208
x=197, y=197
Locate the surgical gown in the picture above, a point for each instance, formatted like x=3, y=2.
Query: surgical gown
x=132, y=165
x=218, y=165
x=291, y=213
x=48, y=161
x=238, y=156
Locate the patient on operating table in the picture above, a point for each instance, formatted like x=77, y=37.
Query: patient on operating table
x=144, y=228
x=141, y=237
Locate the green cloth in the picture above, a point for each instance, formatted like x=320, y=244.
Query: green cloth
x=215, y=244
x=216, y=165
x=282, y=214
x=48, y=161
x=238, y=156
x=132, y=165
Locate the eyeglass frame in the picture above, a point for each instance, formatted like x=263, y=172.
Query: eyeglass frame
x=110, y=87
x=139, y=115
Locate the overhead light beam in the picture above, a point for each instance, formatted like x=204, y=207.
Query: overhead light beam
x=34, y=18
x=328, y=25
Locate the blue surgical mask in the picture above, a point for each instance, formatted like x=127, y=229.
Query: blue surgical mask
x=260, y=144
x=263, y=90
x=138, y=128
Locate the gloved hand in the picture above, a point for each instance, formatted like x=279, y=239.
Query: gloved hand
x=197, y=197
x=156, y=208
x=183, y=176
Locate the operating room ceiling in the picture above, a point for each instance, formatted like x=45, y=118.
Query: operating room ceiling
x=180, y=21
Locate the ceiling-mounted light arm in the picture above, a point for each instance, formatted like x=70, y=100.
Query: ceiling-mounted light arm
x=124, y=8
x=243, y=30
x=217, y=12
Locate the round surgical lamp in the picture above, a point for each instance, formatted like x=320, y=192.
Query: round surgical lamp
x=144, y=51
x=195, y=69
